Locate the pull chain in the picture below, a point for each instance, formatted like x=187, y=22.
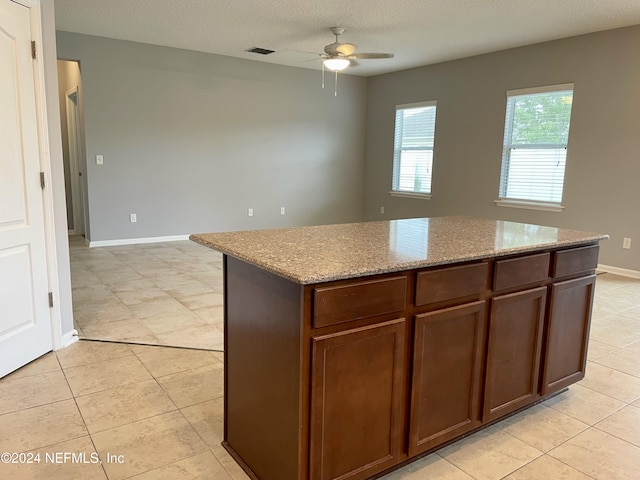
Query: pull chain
x=335, y=89
x=322, y=74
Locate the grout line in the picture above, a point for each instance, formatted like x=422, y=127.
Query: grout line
x=37, y=406
x=571, y=467
x=82, y=417
x=106, y=359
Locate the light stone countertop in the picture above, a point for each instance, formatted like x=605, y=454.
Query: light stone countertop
x=323, y=253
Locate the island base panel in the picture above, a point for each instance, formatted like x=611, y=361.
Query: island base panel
x=262, y=370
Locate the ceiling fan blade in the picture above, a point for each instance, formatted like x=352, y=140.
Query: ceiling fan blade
x=365, y=56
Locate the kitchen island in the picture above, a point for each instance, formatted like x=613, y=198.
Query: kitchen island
x=353, y=349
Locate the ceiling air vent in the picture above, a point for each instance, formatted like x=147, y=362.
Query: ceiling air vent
x=261, y=51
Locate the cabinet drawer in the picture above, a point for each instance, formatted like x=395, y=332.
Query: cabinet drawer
x=342, y=303
x=516, y=272
x=575, y=261
x=451, y=283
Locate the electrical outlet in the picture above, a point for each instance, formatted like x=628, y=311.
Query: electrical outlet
x=250, y=212
x=282, y=210
x=133, y=218
x=626, y=243
x=99, y=160
x=381, y=210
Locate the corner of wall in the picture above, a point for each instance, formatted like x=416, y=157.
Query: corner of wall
x=63, y=287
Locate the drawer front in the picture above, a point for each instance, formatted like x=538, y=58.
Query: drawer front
x=447, y=284
x=575, y=261
x=516, y=272
x=343, y=303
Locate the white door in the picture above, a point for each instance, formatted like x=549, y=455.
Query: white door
x=25, y=324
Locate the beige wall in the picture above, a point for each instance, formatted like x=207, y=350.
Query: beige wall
x=602, y=191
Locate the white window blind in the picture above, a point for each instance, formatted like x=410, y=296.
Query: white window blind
x=413, y=147
x=535, y=144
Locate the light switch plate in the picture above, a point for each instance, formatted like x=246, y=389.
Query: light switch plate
x=99, y=160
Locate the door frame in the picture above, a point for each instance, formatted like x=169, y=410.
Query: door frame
x=55, y=316
x=75, y=155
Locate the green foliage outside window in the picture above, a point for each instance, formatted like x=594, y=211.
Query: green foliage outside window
x=542, y=119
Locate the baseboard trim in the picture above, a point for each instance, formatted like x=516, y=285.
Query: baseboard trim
x=136, y=241
x=69, y=338
x=625, y=272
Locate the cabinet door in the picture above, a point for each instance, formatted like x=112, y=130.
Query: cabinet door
x=514, y=351
x=447, y=375
x=356, y=401
x=567, y=333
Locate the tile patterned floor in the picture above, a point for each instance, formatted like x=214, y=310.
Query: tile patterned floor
x=158, y=293
x=161, y=409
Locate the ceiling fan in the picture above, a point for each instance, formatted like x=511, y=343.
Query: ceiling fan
x=337, y=56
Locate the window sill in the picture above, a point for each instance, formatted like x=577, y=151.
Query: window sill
x=546, y=207
x=420, y=196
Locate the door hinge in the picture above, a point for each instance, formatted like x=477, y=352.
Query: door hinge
x=50, y=299
x=42, y=180
x=33, y=49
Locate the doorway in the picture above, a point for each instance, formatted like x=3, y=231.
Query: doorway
x=73, y=149
x=74, y=134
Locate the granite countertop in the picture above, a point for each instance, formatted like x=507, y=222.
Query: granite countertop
x=323, y=253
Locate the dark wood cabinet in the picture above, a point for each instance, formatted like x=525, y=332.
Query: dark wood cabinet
x=451, y=285
x=356, y=401
x=514, y=350
x=567, y=334
x=448, y=353
x=347, y=379
x=355, y=300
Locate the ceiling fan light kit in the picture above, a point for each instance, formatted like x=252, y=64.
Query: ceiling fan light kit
x=336, y=64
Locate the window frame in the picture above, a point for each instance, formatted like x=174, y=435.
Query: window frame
x=507, y=146
x=395, y=180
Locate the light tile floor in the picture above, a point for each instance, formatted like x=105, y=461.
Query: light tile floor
x=157, y=294
x=161, y=409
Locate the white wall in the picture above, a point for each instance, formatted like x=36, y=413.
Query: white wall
x=191, y=141
x=602, y=191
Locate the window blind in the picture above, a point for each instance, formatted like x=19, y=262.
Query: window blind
x=535, y=145
x=413, y=147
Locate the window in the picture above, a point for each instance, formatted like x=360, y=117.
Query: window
x=413, y=148
x=535, y=146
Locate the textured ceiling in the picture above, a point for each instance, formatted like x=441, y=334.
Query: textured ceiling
x=418, y=32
